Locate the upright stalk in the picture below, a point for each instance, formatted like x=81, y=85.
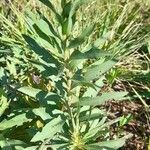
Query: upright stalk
x=68, y=76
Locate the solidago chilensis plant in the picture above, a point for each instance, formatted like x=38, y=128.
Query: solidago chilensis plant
x=55, y=105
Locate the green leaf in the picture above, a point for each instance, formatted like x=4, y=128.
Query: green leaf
x=3, y=77
x=49, y=130
x=45, y=71
x=95, y=71
x=42, y=96
x=31, y=16
x=94, y=114
x=67, y=26
x=30, y=19
x=78, y=80
x=90, y=92
x=75, y=5
x=48, y=36
x=102, y=40
x=125, y=120
x=93, y=101
x=79, y=40
x=2, y=51
x=59, y=146
x=4, y=104
x=69, y=11
x=76, y=64
x=4, y=144
x=50, y=5
x=12, y=68
x=31, y=148
x=68, y=22
x=44, y=54
x=2, y=59
x=32, y=92
x=41, y=112
x=66, y=7
x=93, y=53
x=110, y=145
x=48, y=27
x=94, y=133
x=17, y=144
x=82, y=83
x=49, y=43
x=14, y=121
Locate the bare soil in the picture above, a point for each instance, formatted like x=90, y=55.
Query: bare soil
x=139, y=124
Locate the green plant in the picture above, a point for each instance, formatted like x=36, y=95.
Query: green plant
x=120, y=25
x=50, y=84
x=125, y=119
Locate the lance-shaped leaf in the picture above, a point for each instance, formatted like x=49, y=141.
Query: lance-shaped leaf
x=82, y=83
x=7, y=144
x=41, y=112
x=93, y=101
x=50, y=5
x=109, y=145
x=78, y=80
x=31, y=148
x=91, y=54
x=94, y=133
x=75, y=5
x=3, y=143
x=40, y=51
x=30, y=19
x=42, y=96
x=95, y=71
x=4, y=104
x=49, y=41
x=60, y=146
x=48, y=27
x=2, y=51
x=44, y=70
x=84, y=35
x=66, y=7
x=14, y=121
x=90, y=92
x=32, y=92
x=47, y=33
x=49, y=130
x=69, y=11
x=93, y=114
x=98, y=43
x=3, y=76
